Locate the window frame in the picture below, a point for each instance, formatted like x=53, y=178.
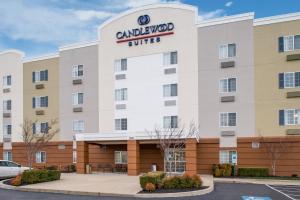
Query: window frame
x=167, y=58
x=5, y=81
x=119, y=157
x=227, y=119
x=175, y=159
x=78, y=126
x=121, y=94
x=170, y=122
x=6, y=156
x=296, y=117
x=5, y=105
x=227, y=85
x=228, y=158
x=168, y=92
x=120, y=124
x=41, y=157
x=226, y=53
x=75, y=96
x=76, y=70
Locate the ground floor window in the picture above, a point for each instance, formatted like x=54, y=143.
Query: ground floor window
x=228, y=156
x=175, y=161
x=120, y=157
x=40, y=157
x=7, y=155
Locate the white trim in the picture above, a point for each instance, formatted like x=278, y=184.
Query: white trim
x=277, y=19
x=226, y=19
x=43, y=57
x=78, y=45
x=13, y=51
x=174, y=5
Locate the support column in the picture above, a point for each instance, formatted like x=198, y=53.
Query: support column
x=191, y=156
x=133, y=157
x=82, y=157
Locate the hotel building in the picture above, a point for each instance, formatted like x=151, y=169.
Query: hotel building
x=236, y=77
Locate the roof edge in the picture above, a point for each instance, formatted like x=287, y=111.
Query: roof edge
x=21, y=53
x=277, y=19
x=78, y=45
x=42, y=57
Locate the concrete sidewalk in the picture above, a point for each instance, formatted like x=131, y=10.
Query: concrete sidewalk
x=258, y=181
x=104, y=184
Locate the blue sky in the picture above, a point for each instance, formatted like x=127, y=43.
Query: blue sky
x=39, y=27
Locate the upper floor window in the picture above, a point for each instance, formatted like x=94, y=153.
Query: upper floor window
x=170, y=58
x=289, y=117
x=121, y=94
x=7, y=105
x=170, y=122
x=289, y=43
x=170, y=90
x=227, y=119
x=40, y=102
x=7, y=80
x=78, y=71
x=40, y=127
x=7, y=155
x=7, y=129
x=40, y=157
x=289, y=80
x=228, y=85
x=121, y=124
x=78, y=125
x=227, y=51
x=121, y=65
x=77, y=98
x=38, y=76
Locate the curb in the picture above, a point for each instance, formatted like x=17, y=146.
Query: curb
x=83, y=193
x=255, y=181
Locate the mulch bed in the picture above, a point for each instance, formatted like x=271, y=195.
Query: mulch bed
x=173, y=190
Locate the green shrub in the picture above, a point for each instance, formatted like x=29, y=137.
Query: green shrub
x=152, y=177
x=253, y=172
x=182, y=182
x=221, y=170
x=39, y=176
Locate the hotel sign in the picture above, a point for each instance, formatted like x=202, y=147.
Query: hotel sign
x=146, y=34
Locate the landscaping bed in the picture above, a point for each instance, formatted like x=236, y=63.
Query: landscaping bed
x=160, y=182
x=34, y=176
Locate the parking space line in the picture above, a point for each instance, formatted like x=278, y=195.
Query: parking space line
x=280, y=192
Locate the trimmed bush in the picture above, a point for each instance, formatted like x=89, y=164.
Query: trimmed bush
x=17, y=181
x=152, y=177
x=253, y=172
x=150, y=187
x=182, y=182
x=39, y=176
x=222, y=170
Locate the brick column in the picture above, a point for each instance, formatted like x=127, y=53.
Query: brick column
x=191, y=156
x=133, y=159
x=82, y=157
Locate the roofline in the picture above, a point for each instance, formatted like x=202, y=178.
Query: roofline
x=175, y=5
x=226, y=19
x=78, y=45
x=13, y=51
x=43, y=57
x=277, y=19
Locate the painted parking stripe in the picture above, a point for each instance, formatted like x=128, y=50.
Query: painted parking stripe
x=280, y=192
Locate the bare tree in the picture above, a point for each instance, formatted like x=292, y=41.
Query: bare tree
x=275, y=149
x=36, y=140
x=171, y=140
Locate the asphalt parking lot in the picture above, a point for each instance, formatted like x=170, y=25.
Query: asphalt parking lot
x=291, y=191
x=223, y=191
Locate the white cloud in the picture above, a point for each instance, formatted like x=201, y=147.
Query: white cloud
x=87, y=15
x=211, y=15
x=229, y=3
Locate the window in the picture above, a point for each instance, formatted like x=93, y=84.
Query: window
x=78, y=125
x=38, y=76
x=7, y=80
x=120, y=157
x=228, y=85
x=227, y=119
x=170, y=122
x=74, y=156
x=289, y=117
x=78, y=71
x=121, y=65
x=40, y=157
x=170, y=90
x=227, y=51
x=7, y=155
x=40, y=127
x=289, y=43
x=170, y=58
x=77, y=99
x=7, y=105
x=175, y=161
x=229, y=157
x=7, y=129
x=40, y=102
x=121, y=124
x=289, y=80
x=121, y=94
